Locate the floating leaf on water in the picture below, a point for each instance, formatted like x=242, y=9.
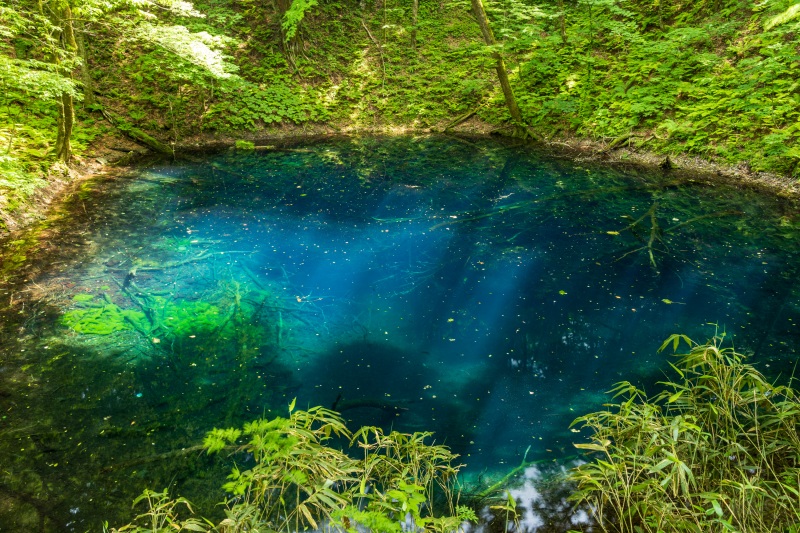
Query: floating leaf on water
x=562, y=292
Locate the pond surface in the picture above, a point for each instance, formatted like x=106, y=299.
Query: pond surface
x=467, y=287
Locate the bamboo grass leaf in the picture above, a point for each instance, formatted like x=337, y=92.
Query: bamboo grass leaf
x=602, y=447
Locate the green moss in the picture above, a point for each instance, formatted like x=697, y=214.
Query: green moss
x=176, y=318
x=245, y=145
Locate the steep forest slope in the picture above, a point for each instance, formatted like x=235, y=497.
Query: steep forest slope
x=713, y=78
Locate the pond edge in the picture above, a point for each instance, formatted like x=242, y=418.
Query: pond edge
x=115, y=154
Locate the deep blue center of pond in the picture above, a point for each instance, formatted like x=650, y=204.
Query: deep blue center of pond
x=475, y=289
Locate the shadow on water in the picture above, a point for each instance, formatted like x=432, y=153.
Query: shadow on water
x=377, y=384
x=464, y=287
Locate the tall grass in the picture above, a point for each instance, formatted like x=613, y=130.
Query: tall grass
x=716, y=450
x=299, y=481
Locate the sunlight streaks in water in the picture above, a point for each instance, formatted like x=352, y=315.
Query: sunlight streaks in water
x=469, y=288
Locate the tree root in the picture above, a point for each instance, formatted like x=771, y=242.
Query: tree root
x=466, y=116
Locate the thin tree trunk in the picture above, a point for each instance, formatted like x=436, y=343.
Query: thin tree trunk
x=562, y=22
x=380, y=52
x=66, y=119
x=414, y=12
x=500, y=66
x=589, y=59
x=383, y=28
x=66, y=108
x=86, y=77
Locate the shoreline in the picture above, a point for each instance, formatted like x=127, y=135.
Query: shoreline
x=577, y=149
x=115, y=153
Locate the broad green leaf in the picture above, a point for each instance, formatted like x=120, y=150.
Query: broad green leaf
x=661, y=465
x=717, y=508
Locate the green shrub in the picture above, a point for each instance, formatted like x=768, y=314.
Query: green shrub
x=716, y=450
x=299, y=481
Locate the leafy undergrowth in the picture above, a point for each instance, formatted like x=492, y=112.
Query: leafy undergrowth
x=26, y=150
x=714, y=79
x=291, y=479
x=24, y=145
x=716, y=450
x=347, y=66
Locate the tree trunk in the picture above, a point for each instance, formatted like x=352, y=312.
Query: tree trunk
x=562, y=25
x=66, y=108
x=290, y=46
x=281, y=7
x=414, y=13
x=66, y=119
x=86, y=77
x=500, y=66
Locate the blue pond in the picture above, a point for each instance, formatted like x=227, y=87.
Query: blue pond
x=477, y=289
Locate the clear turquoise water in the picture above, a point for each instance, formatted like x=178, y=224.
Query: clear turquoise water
x=472, y=288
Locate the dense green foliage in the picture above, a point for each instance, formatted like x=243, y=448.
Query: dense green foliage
x=712, y=78
x=45, y=68
x=708, y=78
x=298, y=480
x=716, y=450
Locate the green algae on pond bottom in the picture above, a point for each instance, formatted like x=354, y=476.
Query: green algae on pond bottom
x=466, y=287
x=101, y=319
x=180, y=319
